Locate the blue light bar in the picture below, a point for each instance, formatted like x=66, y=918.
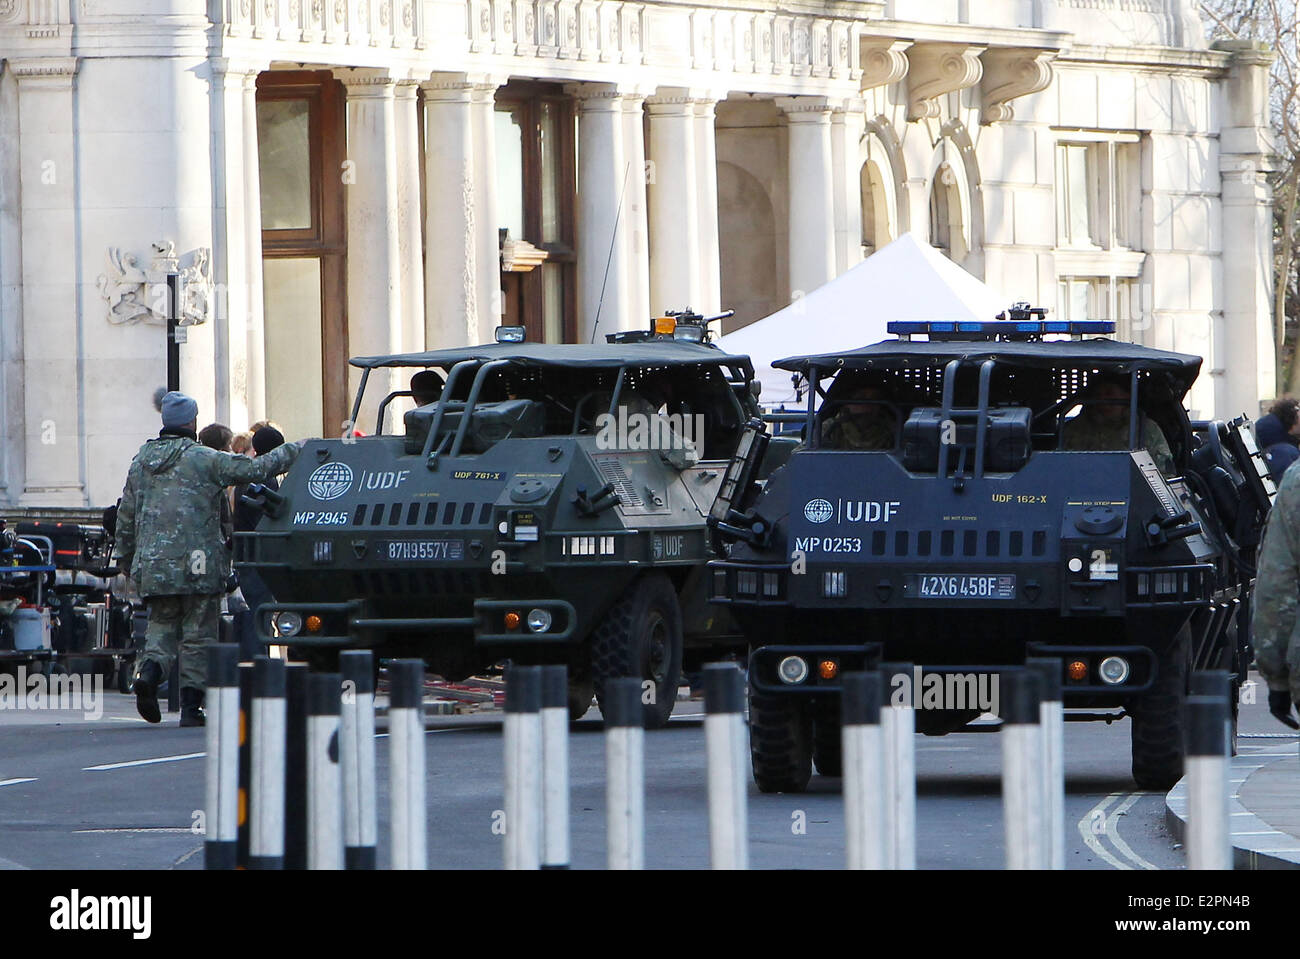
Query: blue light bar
x=995, y=328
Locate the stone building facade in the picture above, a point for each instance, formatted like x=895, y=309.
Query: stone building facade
x=327, y=178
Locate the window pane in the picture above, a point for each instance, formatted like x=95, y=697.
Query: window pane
x=553, y=302
x=1076, y=175
x=552, y=177
x=294, y=383
x=284, y=162
x=510, y=170
x=1062, y=205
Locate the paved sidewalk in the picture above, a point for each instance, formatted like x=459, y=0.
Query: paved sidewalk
x=1264, y=808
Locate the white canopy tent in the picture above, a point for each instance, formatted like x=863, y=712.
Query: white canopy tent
x=905, y=280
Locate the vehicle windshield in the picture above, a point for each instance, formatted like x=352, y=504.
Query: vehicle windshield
x=1068, y=407
x=557, y=400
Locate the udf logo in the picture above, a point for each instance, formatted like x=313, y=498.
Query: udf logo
x=330, y=480
x=818, y=511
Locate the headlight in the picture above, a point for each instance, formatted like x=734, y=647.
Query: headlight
x=1113, y=670
x=792, y=670
x=287, y=623
x=539, y=620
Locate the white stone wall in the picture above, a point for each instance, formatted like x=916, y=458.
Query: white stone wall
x=146, y=113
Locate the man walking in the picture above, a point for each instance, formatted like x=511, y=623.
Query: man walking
x=170, y=543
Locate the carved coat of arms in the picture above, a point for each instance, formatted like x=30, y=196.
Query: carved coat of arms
x=136, y=294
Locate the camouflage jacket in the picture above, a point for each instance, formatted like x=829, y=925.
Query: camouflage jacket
x=1086, y=433
x=844, y=431
x=169, y=535
x=1277, y=591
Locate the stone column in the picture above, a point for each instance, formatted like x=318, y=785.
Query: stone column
x=255, y=325
x=603, y=275
x=674, y=203
x=409, y=229
x=1244, y=160
x=634, y=210
x=706, y=188
x=848, y=123
x=375, y=319
x=53, y=415
x=488, y=243
x=812, y=198
x=231, y=253
x=450, y=275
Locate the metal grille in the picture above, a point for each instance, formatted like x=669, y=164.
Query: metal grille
x=611, y=471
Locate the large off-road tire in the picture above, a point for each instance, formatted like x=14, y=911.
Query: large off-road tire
x=780, y=742
x=641, y=637
x=827, y=750
x=581, y=690
x=1159, y=732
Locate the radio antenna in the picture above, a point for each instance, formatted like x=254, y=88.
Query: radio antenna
x=618, y=215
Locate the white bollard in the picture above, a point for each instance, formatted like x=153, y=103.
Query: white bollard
x=1209, y=838
x=357, y=754
x=324, y=784
x=863, y=746
x=625, y=773
x=555, y=767
x=898, y=727
x=406, y=763
x=726, y=748
x=221, y=816
x=523, y=778
x=1022, y=777
x=1051, y=720
x=267, y=774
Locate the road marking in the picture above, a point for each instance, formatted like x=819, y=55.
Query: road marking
x=143, y=762
x=184, y=829
x=15, y=782
x=1091, y=840
x=1112, y=830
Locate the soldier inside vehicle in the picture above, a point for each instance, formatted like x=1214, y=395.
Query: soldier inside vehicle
x=1103, y=423
x=863, y=419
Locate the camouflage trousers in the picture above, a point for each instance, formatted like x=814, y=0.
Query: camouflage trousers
x=183, y=624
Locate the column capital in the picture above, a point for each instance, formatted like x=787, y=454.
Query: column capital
x=806, y=109
x=460, y=86
x=406, y=89
x=236, y=67
x=366, y=82
x=52, y=72
x=598, y=97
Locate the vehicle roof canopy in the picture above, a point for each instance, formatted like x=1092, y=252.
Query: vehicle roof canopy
x=657, y=353
x=1107, y=356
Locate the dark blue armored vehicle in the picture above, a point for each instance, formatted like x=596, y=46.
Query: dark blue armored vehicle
x=970, y=494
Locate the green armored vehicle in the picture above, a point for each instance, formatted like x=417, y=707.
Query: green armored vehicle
x=546, y=505
x=970, y=494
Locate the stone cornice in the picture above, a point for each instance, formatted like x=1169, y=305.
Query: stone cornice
x=884, y=61
x=53, y=70
x=1011, y=72
x=380, y=82
x=1215, y=62
x=936, y=69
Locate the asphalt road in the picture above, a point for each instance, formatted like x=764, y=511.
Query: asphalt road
x=115, y=793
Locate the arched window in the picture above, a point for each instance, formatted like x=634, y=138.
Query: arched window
x=947, y=223
x=877, y=223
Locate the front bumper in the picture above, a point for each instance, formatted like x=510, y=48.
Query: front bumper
x=351, y=624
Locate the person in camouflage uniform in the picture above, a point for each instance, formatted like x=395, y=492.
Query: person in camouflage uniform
x=860, y=426
x=170, y=544
x=1103, y=424
x=1277, y=594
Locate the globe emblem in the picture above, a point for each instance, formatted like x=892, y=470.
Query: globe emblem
x=818, y=511
x=330, y=480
